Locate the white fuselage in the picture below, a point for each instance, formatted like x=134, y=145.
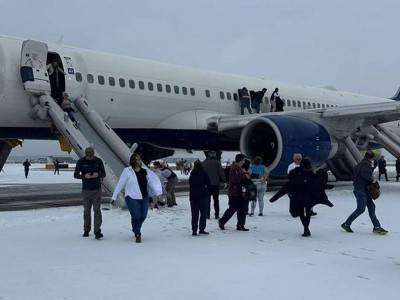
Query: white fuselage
x=148, y=104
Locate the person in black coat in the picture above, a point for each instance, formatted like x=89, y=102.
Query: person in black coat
x=257, y=99
x=306, y=191
x=26, y=165
x=398, y=168
x=382, y=168
x=199, y=194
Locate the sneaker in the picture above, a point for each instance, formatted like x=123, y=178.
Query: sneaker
x=306, y=233
x=251, y=214
x=85, y=233
x=346, y=227
x=260, y=214
x=194, y=233
x=221, y=226
x=313, y=213
x=203, y=232
x=98, y=235
x=241, y=228
x=138, y=238
x=379, y=230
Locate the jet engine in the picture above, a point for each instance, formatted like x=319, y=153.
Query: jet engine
x=277, y=138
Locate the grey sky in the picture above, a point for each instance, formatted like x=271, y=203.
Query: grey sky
x=350, y=44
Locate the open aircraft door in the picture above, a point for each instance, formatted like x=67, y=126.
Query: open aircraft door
x=33, y=67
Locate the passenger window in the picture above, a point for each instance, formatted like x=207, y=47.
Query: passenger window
x=266, y=100
x=141, y=85
x=131, y=83
x=313, y=105
x=111, y=81
x=323, y=105
x=176, y=89
x=184, y=90
x=121, y=82
x=90, y=78
x=101, y=80
x=222, y=95
x=168, y=88
x=228, y=96
x=192, y=91
x=308, y=105
x=235, y=96
x=288, y=102
x=318, y=105
x=150, y=86
x=294, y=103
x=207, y=93
x=159, y=87
x=298, y=103
x=78, y=77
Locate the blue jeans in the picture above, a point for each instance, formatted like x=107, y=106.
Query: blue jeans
x=138, y=209
x=261, y=189
x=363, y=200
x=245, y=103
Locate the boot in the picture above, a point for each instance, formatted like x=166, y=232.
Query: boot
x=306, y=232
x=98, y=235
x=241, y=228
x=138, y=238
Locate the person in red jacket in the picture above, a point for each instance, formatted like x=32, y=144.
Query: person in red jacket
x=237, y=203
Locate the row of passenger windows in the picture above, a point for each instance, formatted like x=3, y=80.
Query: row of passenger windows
x=168, y=88
x=141, y=84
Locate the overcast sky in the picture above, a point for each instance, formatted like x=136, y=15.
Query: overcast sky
x=350, y=44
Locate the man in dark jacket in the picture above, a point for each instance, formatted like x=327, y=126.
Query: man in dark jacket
x=382, y=168
x=236, y=201
x=244, y=100
x=57, y=167
x=214, y=170
x=362, y=179
x=26, y=165
x=199, y=200
x=398, y=168
x=91, y=170
x=257, y=100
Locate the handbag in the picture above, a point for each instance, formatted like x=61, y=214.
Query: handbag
x=374, y=190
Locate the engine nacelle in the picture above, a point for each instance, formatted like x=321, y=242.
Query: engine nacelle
x=277, y=138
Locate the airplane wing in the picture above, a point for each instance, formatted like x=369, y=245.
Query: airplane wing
x=360, y=115
x=371, y=114
x=323, y=135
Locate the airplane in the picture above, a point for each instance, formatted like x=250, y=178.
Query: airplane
x=160, y=107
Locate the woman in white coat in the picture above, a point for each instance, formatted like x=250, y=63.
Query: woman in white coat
x=140, y=184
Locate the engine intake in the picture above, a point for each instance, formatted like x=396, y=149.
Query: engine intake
x=277, y=138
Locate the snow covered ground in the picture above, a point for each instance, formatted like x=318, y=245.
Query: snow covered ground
x=43, y=255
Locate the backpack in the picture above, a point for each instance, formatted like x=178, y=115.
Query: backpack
x=374, y=190
x=250, y=190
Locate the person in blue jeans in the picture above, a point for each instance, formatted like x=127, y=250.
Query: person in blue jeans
x=140, y=184
x=362, y=179
x=258, y=174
